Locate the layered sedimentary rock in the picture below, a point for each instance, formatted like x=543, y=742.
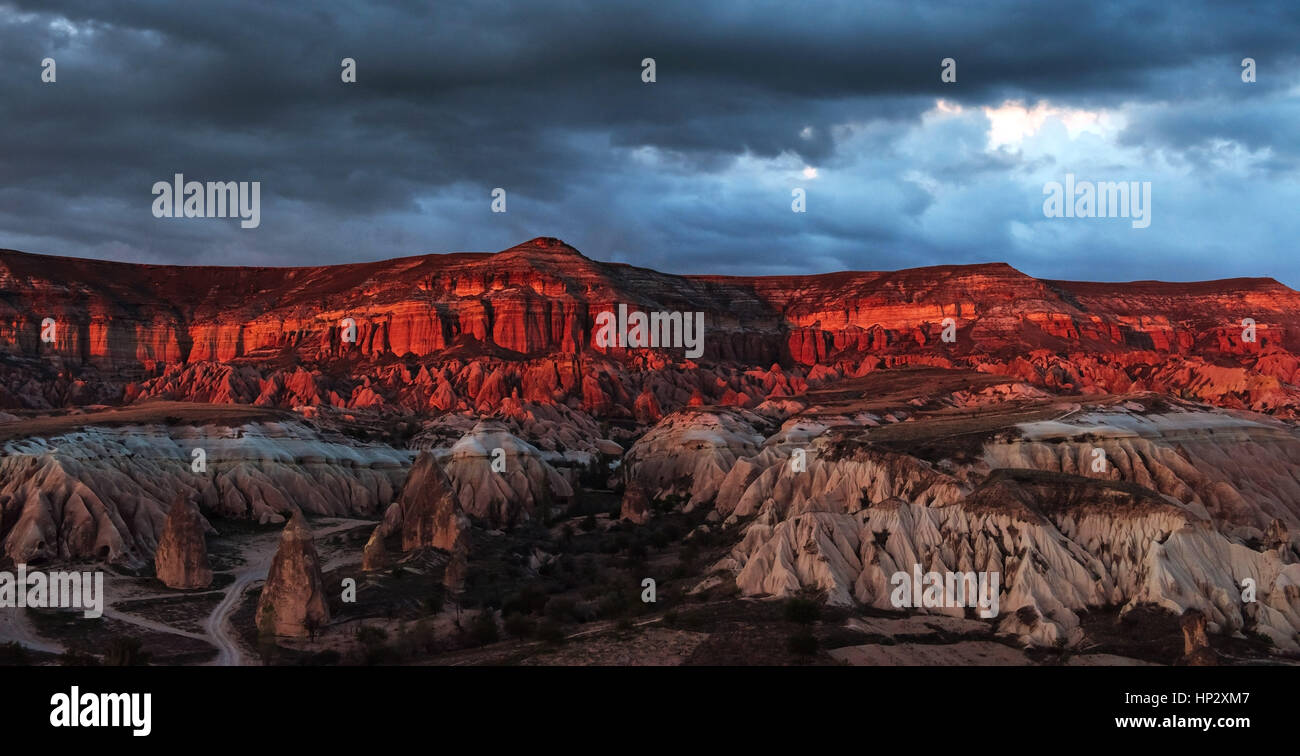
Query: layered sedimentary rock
x=181, y=560
x=689, y=453
x=105, y=492
x=1118, y=504
x=1097, y=445
x=474, y=331
x=501, y=479
x=293, y=602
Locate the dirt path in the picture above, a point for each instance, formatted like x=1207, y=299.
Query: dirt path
x=216, y=626
x=228, y=652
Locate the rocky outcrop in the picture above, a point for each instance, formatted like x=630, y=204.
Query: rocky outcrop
x=1168, y=519
x=293, y=602
x=375, y=554
x=427, y=515
x=636, y=503
x=181, y=560
x=104, y=492
x=1196, y=644
x=431, y=515
x=690, y=452
x=501, y=479
x=475, y=332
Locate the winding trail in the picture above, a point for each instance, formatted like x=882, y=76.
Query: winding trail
x=228, y=652
x=217, y=624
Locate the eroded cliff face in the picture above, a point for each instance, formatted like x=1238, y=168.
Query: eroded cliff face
x=1115, y=502
x=104, y=493
x=475, y=332
x=830, y=429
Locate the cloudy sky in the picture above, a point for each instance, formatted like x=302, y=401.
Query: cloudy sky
x=692, y=173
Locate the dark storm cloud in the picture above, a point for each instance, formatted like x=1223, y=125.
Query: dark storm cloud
x=545, y=100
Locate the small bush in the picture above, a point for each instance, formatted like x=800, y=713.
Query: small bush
x=74, y=658
x=520, y=626
x=531, y=600
x=560, y=608
x=124, y=651
x=803, y=611
x=14, y=653
x=484, y=628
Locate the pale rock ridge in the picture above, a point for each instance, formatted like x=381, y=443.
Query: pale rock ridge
x=104, y=492
x=1195, y=457
x=690, y=452
x=501, y=479
x=1146, y=533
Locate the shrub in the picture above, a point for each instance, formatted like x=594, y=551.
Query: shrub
x=560, y=608
x=74, y=658
x=124, y=651
x=803, y=611
x=14, y=653
x=520, y=625
x=613, y=604
x=531, y=600
x=484, y=628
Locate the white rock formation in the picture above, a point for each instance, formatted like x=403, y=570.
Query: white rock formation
x=690, y=453
x=104, y=492
x=499, y=478
x=1177, y=519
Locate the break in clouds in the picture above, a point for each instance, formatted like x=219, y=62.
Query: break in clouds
x=692, y=173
